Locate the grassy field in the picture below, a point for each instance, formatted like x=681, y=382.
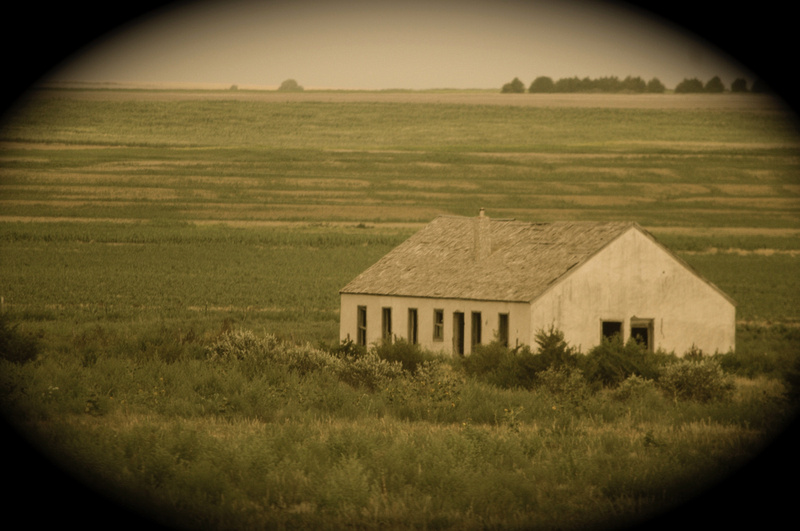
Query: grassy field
x=137, y=228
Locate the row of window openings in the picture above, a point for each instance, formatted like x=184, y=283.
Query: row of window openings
x=641, y=331
x=438, y=327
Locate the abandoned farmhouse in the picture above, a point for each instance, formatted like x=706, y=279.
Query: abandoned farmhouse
x=464, y=281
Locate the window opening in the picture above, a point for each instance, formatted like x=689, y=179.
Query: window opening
x=642, y=332
x=386, y=324
x=611, y=329
x=458, y=333
x=476, y=328
x=361, y=335
x=438, y=325
x=502, y=329
x=412, y=326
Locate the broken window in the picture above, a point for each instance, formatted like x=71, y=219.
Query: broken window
x=612, y=329
x=361, y=335
x=476, y=328
x=642, y=332
x=458, y=333
x=438, y=325
x=386, y=324
x=412, y=326
x=502, y=329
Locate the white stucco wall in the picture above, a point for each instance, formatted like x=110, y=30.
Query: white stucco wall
x=519, y=319
x=634, y=276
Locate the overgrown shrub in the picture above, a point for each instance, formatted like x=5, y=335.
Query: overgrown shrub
x=240, y=345
x=432, y=393
x=16, y=346
x=346, y=349
x=612, y=361
x=701, y=380
x=368, y=371
x=507, y=368
x=565, y=383
x=408, y=354
x=501, y=366
x=554, y=352
x=633, y=387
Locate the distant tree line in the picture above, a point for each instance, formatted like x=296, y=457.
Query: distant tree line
x=613, y=84
x=715, y=85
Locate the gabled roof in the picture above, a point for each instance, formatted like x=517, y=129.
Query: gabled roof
x=523, y=260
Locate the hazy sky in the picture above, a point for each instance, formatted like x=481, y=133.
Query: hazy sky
x=383, y=44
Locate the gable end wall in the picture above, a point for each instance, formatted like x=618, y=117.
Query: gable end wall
x=634, y=276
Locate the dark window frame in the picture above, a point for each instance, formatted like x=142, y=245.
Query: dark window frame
x=438, y=325
x=413, y=326
x=476, y=333
x=643, y=328
x=503, y=328
x=611, y=327
x=386, y=323
x=361, y=326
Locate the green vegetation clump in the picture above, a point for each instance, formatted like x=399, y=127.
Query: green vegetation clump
x=520, y=367
x=369, y=369
x=247, y=434
x=688, y=86
x=611, y=84
x=409, y=355
x=290, y=85
x=514, y=87
x=612, y=361
x=701, y=380
x=16, y=346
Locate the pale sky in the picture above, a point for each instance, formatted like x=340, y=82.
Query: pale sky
x=382, y=44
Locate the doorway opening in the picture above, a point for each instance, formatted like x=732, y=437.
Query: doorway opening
x=458, y=333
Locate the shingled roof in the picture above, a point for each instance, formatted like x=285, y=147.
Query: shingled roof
x=485, y=259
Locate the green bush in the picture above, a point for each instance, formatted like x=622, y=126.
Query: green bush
x=240, y=345
x=554, y=352
x=612, y=361
x=368, y=371
x=346, y=349
x=633, y=387
x=408, y=354
x=16, y=346
x=565, y=383
x=517, y=368
x=501, y=366
x=485, y=359
x=702, y=380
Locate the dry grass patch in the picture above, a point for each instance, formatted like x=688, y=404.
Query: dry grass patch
x=439, y=184
x=726, y=231
x=733, y=102
x=595, y=200
x=320, y=213
x=752, y=190
x=61, y=219
x=745, y=252
x=763, y=203
x=322, y=183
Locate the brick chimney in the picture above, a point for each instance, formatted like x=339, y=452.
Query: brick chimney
x=483, y=239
